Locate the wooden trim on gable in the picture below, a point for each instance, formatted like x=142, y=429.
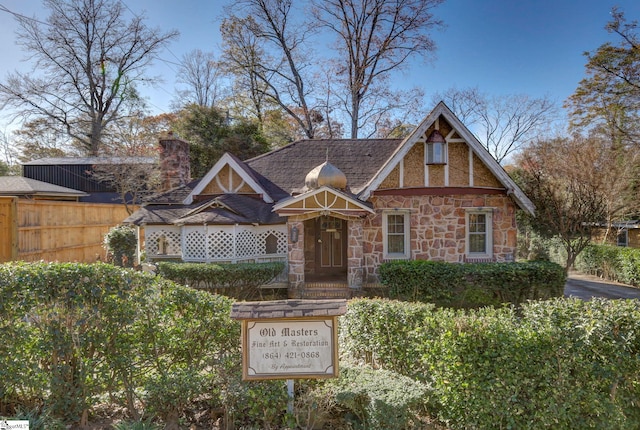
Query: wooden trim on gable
x=237, y=180
x=322, y=200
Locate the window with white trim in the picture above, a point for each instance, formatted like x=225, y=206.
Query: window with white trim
x=395, y=229
x=479, y=243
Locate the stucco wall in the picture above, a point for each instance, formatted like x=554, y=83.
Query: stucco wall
x=438, y=229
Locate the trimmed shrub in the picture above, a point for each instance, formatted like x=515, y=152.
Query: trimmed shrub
x=71, y=334
x=377, y=399
x=472, y=285
x=552, y=364
x=120, y=243
x=384, y=334
x=241, y=281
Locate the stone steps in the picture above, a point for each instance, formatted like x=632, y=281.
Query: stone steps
x=321, y=290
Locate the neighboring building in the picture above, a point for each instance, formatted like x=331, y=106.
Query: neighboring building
x=336, y=209
x=78, y=173
x=621, y=233
x=36, y=190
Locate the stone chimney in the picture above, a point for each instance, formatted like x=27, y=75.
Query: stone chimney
x=175, y=168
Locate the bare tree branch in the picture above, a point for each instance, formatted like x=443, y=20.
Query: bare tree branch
x=375, y=37
x=86, y=60
x=504, y=124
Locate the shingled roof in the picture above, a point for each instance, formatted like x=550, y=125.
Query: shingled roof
x=21, y=186
x=173, y=196
x=224, y=209
x=358, y=159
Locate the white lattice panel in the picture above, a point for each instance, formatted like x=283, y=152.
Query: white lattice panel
x=246, y=244
x=220, y=245
x=195, y=245
x=169, y=235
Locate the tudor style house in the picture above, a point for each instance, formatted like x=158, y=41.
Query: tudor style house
x=334, y=210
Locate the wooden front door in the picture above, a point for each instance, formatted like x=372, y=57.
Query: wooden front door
x=330, y=245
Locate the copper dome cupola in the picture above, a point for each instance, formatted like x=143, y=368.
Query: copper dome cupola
x=325, y=174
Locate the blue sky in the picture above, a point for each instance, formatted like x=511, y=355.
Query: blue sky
x=532, y=47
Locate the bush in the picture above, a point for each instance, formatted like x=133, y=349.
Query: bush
x=167, y=395
x=121, y=243
x=71, y=334
x=611, y=262
x=377, y=399
x=257, y=404
x=383, y=334
x=552, y=364
x=241, y=281
x=472, y=285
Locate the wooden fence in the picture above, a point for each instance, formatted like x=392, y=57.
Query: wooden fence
x=33, y=230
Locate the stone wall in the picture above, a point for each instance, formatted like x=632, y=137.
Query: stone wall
x=438, y=228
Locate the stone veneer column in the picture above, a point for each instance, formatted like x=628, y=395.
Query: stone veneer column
x=296, y=254
x=355, y=254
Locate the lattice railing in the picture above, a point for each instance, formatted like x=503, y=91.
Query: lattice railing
x=220, y=245
x=195, y=245
x=234, y=243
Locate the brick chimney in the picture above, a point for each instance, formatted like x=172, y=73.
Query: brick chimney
x=175, y=168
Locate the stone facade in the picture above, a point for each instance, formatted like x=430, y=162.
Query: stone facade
x=438, y=228
x=296, y=253
x=355, y=255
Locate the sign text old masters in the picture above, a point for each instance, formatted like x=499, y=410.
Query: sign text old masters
x=289, y=339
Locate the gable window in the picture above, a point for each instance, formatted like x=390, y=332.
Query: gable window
x=623, y=237
x=435, y=148
x=395, y=228
x=479, y=243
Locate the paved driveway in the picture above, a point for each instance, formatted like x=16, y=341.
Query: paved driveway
x=586, y=287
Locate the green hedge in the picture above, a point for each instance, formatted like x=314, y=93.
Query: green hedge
x=240, y=281
x=561, y=364
x=472, y=285
x=611, y=262
x=72, y=335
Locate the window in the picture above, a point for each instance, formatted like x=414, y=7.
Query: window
x=623, y=237
x=436, y=153
x=479, y=233
x=435, y=148
x=395, y=227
